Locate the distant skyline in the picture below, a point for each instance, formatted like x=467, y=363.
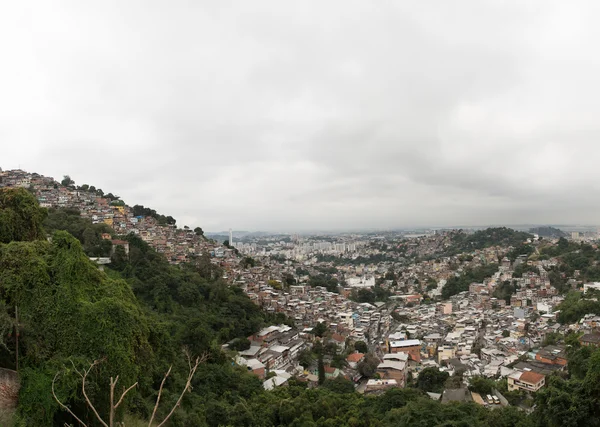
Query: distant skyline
x=521, y=227
x=314, y=115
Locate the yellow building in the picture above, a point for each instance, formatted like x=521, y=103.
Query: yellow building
x=446, y=352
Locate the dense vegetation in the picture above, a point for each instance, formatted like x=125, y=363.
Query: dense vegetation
x=90, y=235
x=370, y=295
x=574, y=401
x=432, y=379
x=500, y=236
x=325, y=280
x=522, y=250
x=359, y=260
x=523, y=268
x=20, y=217
x=551, y=232
x=136, y=319
x=458, y=284
x=576, y=305
x=140, y=210
x=504, y=291
x=573, y=257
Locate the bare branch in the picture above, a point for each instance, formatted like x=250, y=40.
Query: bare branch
x=162, y=383
x=62, y=405
x=188, y=385
x=75, y=368
x=124, y=393
x=188, y=356
x=111, y=414
x=87, y=399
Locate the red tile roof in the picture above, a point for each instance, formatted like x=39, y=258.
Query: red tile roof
x=531, y=377
x=338, y=338
x=355, y=357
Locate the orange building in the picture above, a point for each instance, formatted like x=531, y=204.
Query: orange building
x=552, y=355
x=528, y=381
x=410, y=347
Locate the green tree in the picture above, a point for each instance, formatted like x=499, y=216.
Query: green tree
x=67, y=181
x=339, y=385
x=321, y=368
x=90, y=235
x=206, y=269
x=320, y=329
x=77, y=313
x=306, y=358
x=247, y=262
x=461, y=283
x=119, y=258
x=551, y=338
x=361, y=347
x=368, y=366
x=481, y=385
x=21, y=217
x=288, y=280
x=455, y=381
x=575, y=306
x=240, y=344
x=431, y=379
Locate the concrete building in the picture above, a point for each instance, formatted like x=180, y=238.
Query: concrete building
x=410, y=347
x=528, y=381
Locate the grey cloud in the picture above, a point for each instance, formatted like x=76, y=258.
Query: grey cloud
x=279, y=115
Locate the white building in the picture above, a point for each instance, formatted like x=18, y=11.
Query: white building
x=594, y=286
x=361, y=282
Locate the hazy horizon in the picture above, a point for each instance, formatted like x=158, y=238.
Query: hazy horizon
x=315, y=115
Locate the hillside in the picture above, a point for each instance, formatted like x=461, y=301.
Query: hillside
x=499, y=236
x=136, y=318
x=137, y=315
x=178, y=245
x=551, y=232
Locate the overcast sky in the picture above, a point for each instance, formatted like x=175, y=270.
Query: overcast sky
x=281, y=115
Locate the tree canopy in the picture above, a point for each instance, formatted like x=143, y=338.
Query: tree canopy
x=21, y=217
x=432, y=379
x=140, y=210
x=90, y=235
x=458, y=284
x=481, y=239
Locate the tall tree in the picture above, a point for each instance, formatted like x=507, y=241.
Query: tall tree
x=321, y=369
x=361, y=347
x=67, y=181
x=320, y=329
x=21, y=217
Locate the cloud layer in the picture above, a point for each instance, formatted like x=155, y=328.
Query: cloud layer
x=311, y=115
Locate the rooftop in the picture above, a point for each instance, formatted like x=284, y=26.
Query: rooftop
x=405, y=343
